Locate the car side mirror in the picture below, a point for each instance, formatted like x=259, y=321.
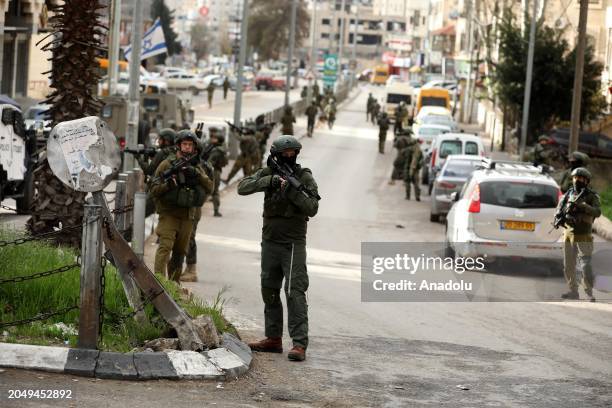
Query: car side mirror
x=454, y=196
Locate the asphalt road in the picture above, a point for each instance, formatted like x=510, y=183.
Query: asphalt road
x=498, y=354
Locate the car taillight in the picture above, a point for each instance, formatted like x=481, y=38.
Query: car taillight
x=559, y=195
x=475, y=200
x=446, y=184
x=122, y=143
x=433, y=157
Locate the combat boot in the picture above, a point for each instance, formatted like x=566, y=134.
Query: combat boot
x=268, y=345
x=589, y=294
x=217, y=214
x=297, y=353
x=189, y=274
x=572, y=294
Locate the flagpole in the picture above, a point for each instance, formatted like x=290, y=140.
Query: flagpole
x=133, y=111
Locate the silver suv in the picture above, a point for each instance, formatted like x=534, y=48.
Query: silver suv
x=505, y=210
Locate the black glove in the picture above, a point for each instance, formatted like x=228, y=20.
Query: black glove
x=190, y=172
x=275, y=182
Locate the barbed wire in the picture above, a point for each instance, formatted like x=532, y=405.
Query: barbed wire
x=39, y=237
x=38, y=317
x=18, y=279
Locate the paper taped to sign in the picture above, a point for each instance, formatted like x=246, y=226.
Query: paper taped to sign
x=83, y=153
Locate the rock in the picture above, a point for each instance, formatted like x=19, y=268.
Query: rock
x=161, y=344
x=208, y=332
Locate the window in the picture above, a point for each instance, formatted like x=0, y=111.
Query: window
x=449, y=147
x=460, y=168
x=518, y=194
x=471, y=148
x=397, y=98
x=325, y=21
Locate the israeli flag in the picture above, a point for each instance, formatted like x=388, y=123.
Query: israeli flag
x=153, y=43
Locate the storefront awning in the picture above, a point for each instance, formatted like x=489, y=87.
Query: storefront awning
x=445, y=31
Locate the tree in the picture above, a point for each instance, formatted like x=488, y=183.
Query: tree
x=553, y=76
x=200, y=40
x=74, y=77
x=166, y=17
x=269, y=24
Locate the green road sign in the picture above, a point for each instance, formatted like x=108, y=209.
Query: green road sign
x=330, y=68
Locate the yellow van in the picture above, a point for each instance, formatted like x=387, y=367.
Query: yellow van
x=433, y=97
x=380, y=75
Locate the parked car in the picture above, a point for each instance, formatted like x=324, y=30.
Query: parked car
x=446, y=144
x=593, y=144
x=270, y=80
x=457, y=169
x=425, y=135
x=505, y=210
x=36, y=115
x=123, y=84
x=434, y=115
x=186, y=81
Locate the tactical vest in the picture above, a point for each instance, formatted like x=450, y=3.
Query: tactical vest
x=188, y=194
x=276, y=204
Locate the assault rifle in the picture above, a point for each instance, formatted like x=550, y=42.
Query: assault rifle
x=145, y=151
x=563, y=215
x=241, y=130
x=206, y=152
x=286, y=172
x=176, y=167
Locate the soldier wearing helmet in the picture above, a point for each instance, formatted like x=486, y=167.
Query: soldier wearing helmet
x=401, y=142
x=576, y=159
x=249, y=158
x=581, y=206
x=177, y=200
x=283, y=248
x=166, y=145
x=542, y=153
x=218, y=160
x=383, y=127
x=287, y=121
x=401, y=114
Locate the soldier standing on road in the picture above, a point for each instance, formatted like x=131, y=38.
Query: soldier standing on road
x=248, y=159
x=330, y=112
x=218, y=160
x=287, y=121
x=166, y=146
x=375, y=112
x=283, y=247
x=262, y=134
x=176, y=202
x=401, y=142
x=400, y=115
x=576, y=159
x=542, y=153
x=578, y=235
x=369, y=106
x=311, y=114
x=211, y=91
x=412, y=166
x=226, y=87
x=383, y=127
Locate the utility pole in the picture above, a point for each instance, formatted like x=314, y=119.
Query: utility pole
x=290, y=56
x=470, y=45
x=527, y=99
x=113, y=51
x=577, y=98
x=354, y=56
x=341, y=40
x=313, y=50
x=428, y=48
x=233, y=143
x=134, y=90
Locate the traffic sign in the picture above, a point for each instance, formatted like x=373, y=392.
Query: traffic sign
x=204, y=11
x=330, y=68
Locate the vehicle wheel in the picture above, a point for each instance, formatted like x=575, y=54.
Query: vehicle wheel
x=434, y=217
x=25, y=203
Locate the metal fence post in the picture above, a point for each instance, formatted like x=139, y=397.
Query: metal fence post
x=138, y=235
x=120, y=200
x=91, y=270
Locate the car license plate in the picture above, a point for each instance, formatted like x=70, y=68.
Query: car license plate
x=518, y=225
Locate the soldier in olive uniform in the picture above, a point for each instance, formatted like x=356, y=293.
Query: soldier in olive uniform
x=581, y=206
x=166, y=147
x=287, y=121
x=369, y=106
x=576, y=159
x=311, y=114
x=210, y=89
x=400, y=115
x=383, y=127
x=401, y=142
x=542, y=153
x=375, y=112
x=249, y=157
x=218, y=160
x=226, y=87
x=283, y=247
x=412, y=166
x=177, y=200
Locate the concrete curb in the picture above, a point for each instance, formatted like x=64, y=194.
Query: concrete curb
x=231, y=360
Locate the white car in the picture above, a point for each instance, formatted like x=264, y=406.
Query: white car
x=186, y=81
x=425, y=135
x=434, y=115
x=505, y=210
x=123, y=85
x=443, y=146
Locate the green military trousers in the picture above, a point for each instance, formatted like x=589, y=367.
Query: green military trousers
x=578, y=247
x=412, y=179
x=288, y=262
x=173, y=235
x=382, y=138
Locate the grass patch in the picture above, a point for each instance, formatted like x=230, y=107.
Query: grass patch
x=606, y=202
x=26, y=299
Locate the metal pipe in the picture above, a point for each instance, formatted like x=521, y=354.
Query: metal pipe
x=291, y=45
x=113, y=57
x=577, y=99
x=138, y=235
x=233, y=142
x=528, y=80
x=133, y=113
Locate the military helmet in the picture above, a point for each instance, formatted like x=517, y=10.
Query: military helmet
x=285, y=142
x=543, y=138
x=581, y=172
x=579, y=157
x=186, y=134
x=217, y=133
x=168, y=135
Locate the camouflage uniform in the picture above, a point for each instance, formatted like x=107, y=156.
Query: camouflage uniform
x=400, y=143
x=412, y=166
x=400, y=115
x=283, y=249
x=210, y=89
x=375, y=112
x=576, y=159
x=542, y=153
x=578, y=236
x=248, y=159
x=383, y=127
x=287, y=121
x=311, y=114
x=369, y=106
